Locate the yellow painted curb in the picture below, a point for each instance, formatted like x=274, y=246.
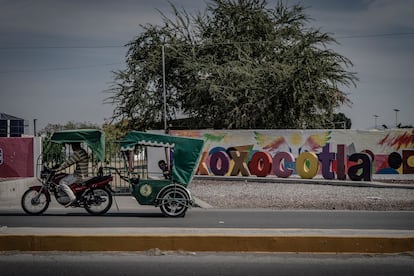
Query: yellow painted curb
x=221, y=243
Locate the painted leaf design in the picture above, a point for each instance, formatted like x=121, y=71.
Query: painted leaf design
x=316, y=141
x=269, y=143
x=214, y=137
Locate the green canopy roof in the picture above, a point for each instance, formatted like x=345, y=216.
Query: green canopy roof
x=187, y=151
x=94, y=138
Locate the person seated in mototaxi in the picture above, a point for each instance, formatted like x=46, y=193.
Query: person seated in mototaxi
x=165, y=171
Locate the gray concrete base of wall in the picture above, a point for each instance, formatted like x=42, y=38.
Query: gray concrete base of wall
x=14, y=189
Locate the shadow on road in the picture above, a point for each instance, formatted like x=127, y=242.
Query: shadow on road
x=121, y=214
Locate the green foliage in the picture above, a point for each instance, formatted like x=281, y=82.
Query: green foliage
x=114, y=132
x=52, y=153
x=341, y=121
x=239, y=64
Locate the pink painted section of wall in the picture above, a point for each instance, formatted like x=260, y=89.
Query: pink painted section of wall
x=16, y=158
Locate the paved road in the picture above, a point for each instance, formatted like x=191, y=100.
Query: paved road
x=189, y=263
x=246, y=230
x=215, y=218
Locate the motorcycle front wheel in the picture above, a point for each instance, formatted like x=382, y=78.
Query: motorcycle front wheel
x=34, y=203
x=98, y=201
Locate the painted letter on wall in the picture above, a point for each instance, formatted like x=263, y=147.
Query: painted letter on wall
x=278, y=164
x=408, y=161
x=307, y=165
x=202, y=167
x=326, y=157
x=365, y=165
x=260, y=164
x=240, y=166
x=219, y=163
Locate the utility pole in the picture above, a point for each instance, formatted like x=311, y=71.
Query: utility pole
x=163, y=87
x=34, y=127
x=396, y=117
x=375, y=117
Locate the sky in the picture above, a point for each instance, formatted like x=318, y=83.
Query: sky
x=57, y=57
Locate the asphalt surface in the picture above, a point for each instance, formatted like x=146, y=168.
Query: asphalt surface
x=314, y=239
x=156, y=262
x=137, y=217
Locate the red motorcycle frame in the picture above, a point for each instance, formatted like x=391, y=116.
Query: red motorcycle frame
x=95, y=194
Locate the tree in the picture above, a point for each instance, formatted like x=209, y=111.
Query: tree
x=138, y=90
x=341, y=121
x=239, y=64
x=113, y=134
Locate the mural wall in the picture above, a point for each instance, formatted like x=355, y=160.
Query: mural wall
x=331, y=153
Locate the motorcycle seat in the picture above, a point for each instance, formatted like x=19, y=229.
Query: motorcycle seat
x=96, y=179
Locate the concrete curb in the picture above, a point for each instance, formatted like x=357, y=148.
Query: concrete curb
x=201, y=204
x=315, y=181
x=217, y=243
x=214, y=240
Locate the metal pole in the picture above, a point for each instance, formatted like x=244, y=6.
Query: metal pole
x=165, y=104
x=164, y=88
x=376, y=116
x=396, y=117
x=34, y=127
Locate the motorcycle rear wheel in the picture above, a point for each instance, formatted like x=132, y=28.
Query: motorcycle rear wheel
x=98, y=201
x=34, y=203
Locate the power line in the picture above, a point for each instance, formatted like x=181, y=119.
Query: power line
x=60, y=47
x=258, y=41
x=58, y=68
x=375, y=35
x=120, y=46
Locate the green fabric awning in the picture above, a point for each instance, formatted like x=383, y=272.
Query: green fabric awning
x=187, y=151
x=94, y=138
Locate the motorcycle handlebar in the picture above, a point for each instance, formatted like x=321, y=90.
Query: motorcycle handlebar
x=117, y=172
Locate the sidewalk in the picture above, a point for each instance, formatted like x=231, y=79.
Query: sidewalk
x=15, y=188
x=379, y=180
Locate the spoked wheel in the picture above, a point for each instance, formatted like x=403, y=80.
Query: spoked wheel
x=98, y=201
x=174, y=202
x=34, y=202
